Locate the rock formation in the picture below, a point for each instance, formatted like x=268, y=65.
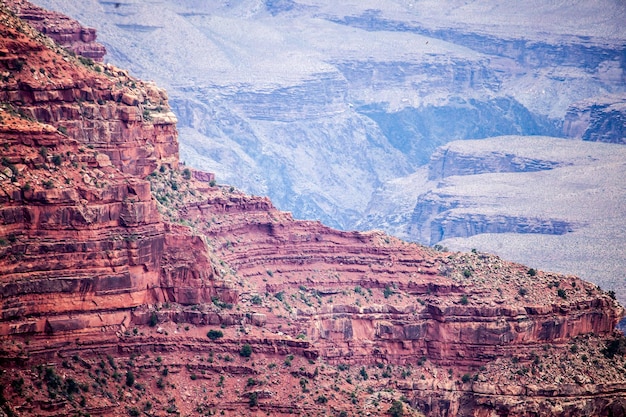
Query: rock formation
x=131, y=284
x=66, y=31
x=317, y=104
x=602, y=119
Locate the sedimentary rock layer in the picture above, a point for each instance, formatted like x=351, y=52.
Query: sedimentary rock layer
x=132, y=284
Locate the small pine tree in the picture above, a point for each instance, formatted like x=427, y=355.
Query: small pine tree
x=130, y=378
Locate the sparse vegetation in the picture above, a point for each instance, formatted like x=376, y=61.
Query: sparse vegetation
x=396, y=409
x=245, y=351
x=215, y=334
x=154, y=319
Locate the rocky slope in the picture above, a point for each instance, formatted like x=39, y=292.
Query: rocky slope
x=131, y=284
x=316, y=104
x=547, y=202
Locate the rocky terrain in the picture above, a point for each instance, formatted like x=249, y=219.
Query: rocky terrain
x=132, y=284
x=335, y=110
x=66, y=31
x=317, y=104
x=476, y=194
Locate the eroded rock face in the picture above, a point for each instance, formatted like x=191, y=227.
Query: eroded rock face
x=83, y=229
x=597, y=120
x=66, y=31
x=112, y=253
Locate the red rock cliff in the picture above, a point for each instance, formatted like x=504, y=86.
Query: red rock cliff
x=66, y=31
x=130, y=284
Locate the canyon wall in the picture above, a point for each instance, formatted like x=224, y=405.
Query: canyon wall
x=132, y=284
x=317, y=105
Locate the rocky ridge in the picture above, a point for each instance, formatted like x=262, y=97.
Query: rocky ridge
x=601, y=119
x=132, y=284
x=66, y=31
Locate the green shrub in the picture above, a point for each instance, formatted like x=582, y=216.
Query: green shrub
x=245, y=351
x=396, y=409
x=387, y=292
x=215, y=334
x=130, y=378
x=154, y=319
x=253, y=399
x=615, y=347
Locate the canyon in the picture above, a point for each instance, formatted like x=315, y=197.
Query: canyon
x=335, y=111
x=133, y=284
x=317, y=105
x=552, y=203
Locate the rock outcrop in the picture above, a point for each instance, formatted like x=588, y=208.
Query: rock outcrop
x=547, y=202
x=66, y=31
x=131, y=284
x=601, y=119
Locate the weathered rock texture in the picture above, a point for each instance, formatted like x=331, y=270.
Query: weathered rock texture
x=66, y=31
x=130, y=284
x=602, y=119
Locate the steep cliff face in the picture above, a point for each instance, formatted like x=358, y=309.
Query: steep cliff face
x=81, y=229
x=597, y=120
x=547, y=202
x=66, y=31
x=131, y=284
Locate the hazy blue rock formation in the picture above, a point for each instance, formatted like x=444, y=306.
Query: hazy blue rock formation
x=318, y=103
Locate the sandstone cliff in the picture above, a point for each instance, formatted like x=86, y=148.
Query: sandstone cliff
x=130, y=284
x=317, y=104
x=66, y=31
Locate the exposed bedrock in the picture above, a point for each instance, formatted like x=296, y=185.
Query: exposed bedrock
x=125, y=273
x=597, y=120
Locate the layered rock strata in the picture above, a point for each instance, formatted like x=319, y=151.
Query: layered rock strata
x=66, y=31
x=131, y=284
x=602, y=119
